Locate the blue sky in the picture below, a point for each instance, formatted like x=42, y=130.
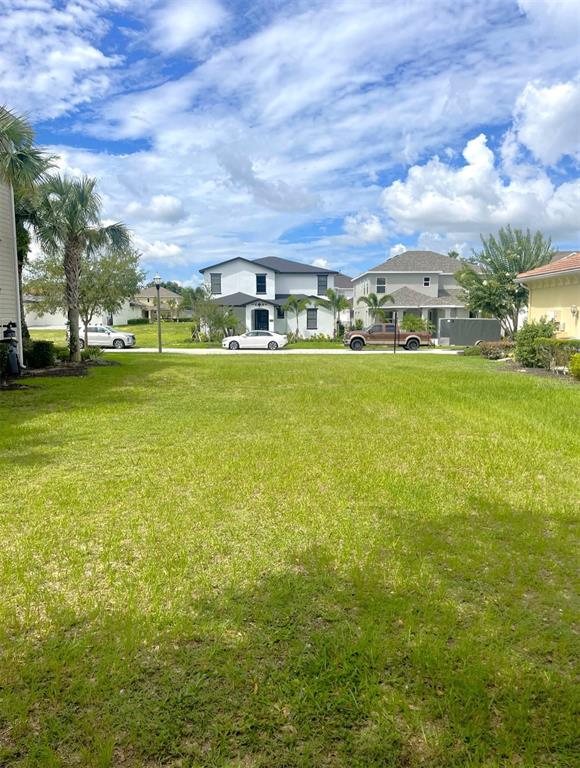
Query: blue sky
x=335, y=132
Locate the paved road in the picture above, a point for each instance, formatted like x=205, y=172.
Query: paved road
x=241, y=353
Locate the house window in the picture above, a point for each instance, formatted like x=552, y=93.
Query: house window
x=381, y=284
x=260, y=283
x=312, y=319
x=279, y=313
x=426, y=282
x=215, y=282
x=322, y=285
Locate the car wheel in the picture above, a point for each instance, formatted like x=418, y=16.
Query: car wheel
x=81, y=344
x=119, y=344
x=412, y=345
x=272, y=345
x=234, y=345
x=356, y=344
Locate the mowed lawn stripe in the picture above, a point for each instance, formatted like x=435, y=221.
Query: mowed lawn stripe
x=289, y=562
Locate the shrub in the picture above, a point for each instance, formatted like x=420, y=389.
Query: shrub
x=358, y=324
x=526, y=352
x=3, y=361
x=472, y=351
x=414, y=323
x=138, y=321
x=495, y=350
x=39, y=354
x=575, y=366
x=556, y=353
x=61, y=354
x=91, y=353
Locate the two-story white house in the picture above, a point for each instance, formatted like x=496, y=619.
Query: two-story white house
x=421, y=283
x=257, y=289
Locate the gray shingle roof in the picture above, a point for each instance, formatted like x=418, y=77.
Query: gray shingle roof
x=419, y=261
x=407, y=297
x=151, y=293
x=236, y=299
x=286, y=265
x=343, y=282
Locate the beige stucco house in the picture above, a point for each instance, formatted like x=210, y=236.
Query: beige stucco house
x=555, y=293
x=9, y=295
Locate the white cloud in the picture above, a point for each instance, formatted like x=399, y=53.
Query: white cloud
x=160, y=252
x=474, y=198
x=176, y=25
x=165, y=208
x=547, y=120
x=322, y=263
x=364, y=228
x=397, y=249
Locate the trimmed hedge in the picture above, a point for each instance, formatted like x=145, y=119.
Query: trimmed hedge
x=496, y=350
x=39, y=353
x=474, y=351
x=575, y=366
x=556, y=353
x=138, y=321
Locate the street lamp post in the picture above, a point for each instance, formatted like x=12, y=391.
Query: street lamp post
x=157, y=281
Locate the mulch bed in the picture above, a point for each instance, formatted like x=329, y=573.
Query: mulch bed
x=64, y=369
x=512, y=367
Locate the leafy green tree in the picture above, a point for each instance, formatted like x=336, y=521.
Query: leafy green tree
x=170, y=285
x=295, y=306
x=69, y=225
x=336, y=303
x=107, y=279
x=415, y=323
x=376, y=305
x=22, y=167
x=453, y=254
x=489, y=280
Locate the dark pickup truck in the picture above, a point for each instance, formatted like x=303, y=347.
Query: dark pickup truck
x=384, y=333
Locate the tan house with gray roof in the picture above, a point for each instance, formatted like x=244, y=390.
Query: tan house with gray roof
x=421, y=283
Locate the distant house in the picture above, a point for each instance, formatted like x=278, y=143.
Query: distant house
x=257, y=290
x=344, y=286
x=421, y=283
x=141, y=306
x=554, y=293
x=9, y=289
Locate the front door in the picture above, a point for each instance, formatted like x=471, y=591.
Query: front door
x=261, y=317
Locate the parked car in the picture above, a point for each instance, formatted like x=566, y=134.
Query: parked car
x=105, y=336
x=255, y=340
x=384, y=333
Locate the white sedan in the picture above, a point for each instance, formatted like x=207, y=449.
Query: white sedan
x=255, y=340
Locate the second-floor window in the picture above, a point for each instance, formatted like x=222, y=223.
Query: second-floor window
x=426, y=282
x=260, y=283
x=381, y=284
x=215, y=279
x=322, y=285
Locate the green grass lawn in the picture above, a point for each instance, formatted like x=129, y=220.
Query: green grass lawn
x=273, y=562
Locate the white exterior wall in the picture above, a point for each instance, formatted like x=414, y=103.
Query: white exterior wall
x=43, y=319
x=9, y=295
x=324, y=318
x=293, y=283
x=239, y=276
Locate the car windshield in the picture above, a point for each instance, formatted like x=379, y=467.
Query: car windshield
x=109, y=329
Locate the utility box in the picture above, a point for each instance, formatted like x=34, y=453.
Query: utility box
x=467, y=331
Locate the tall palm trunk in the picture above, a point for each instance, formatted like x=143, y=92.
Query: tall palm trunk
x=297, y=325
x=72, y=271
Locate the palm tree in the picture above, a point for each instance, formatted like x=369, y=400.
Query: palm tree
x=69, y=225
x=22, y=166
x=296, y=306
x=491, y=288
x=376, y=305
x=336, y=303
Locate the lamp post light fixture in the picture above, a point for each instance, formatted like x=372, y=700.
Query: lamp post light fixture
x=157, y=281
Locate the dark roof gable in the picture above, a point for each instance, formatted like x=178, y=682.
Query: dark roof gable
x=276, y=264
